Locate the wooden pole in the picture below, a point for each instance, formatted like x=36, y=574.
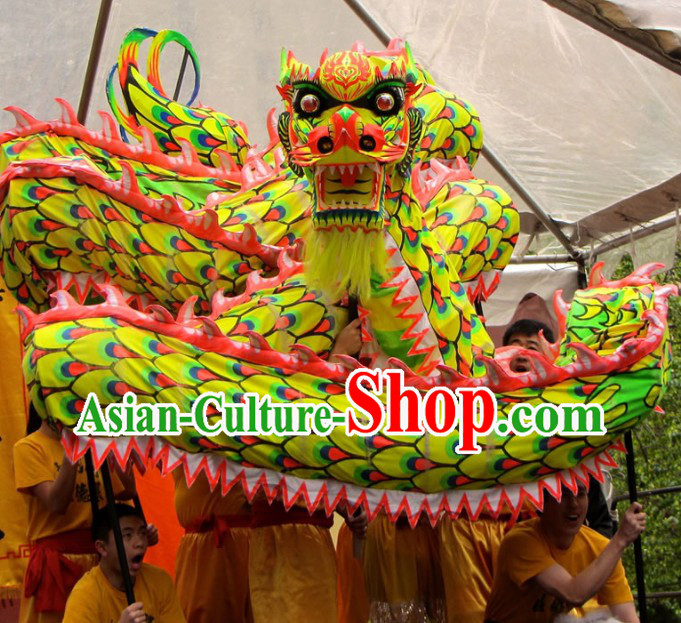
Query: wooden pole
x=93, y=61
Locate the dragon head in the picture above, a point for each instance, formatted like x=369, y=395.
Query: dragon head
x=345, y=125
x=350, y=126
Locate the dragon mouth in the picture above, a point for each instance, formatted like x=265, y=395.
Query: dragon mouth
x=349, y=194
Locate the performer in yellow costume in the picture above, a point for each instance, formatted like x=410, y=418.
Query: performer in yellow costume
x=353, y=603
x=211, y=568
x=469, y=549
x=402, y=572
x=292, y=565
x=59, y=520
x=468, y=553
x=153, y=588
x=554, y=563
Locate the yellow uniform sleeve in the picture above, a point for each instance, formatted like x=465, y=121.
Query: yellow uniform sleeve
x=170, y=612
x=31, y=465
x=82, y=605
x=523, y=556
x=616, y=590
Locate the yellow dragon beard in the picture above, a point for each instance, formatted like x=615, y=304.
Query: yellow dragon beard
x=343, y=261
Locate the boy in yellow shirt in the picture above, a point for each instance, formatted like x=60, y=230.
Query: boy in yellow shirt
x=553, y=563
x=99, y=595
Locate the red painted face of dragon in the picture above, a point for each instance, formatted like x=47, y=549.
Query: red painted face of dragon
x=347, y=127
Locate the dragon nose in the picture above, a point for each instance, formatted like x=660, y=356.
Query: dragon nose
x=346, y=114
x=346, y=129
x=345, y=125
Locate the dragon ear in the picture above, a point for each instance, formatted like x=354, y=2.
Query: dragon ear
x=415, y=132
x=291, y=69
x=282, y=130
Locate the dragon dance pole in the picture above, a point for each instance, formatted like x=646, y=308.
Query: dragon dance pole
x=91, y=484
x=118, y=536
x=93, y=61
x=180, y=77
x=638, y=549
x=357, y=541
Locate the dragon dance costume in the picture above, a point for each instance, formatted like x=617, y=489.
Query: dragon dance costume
x=212, y=558
x=225, y=269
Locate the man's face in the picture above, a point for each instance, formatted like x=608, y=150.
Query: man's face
x=568, y=515
x=530, y=342
x=134, y=533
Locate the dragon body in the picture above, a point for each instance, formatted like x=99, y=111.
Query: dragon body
x=225, y=269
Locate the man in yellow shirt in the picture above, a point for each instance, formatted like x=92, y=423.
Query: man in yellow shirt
x=99, y=595
x=553, y=563
x=59, y=519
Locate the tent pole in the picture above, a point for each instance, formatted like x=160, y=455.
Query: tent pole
x=562, y=258
x=639, y=233
x=369, y=21
x=608, y=29
x=93, y=61
x=532, y=203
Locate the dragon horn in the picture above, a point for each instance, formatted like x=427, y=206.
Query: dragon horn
x=23, y=119
x=596, y=276
x=291, y=68
x=410, y=66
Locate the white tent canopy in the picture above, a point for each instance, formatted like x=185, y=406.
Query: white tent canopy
x=584, y=123
x=587, y=129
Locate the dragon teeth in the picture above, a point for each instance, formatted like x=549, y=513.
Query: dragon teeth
x=356, y=169
x=346, y=205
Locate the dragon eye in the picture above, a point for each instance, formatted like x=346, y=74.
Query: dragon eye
x=385, y=102
x=309, y=104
